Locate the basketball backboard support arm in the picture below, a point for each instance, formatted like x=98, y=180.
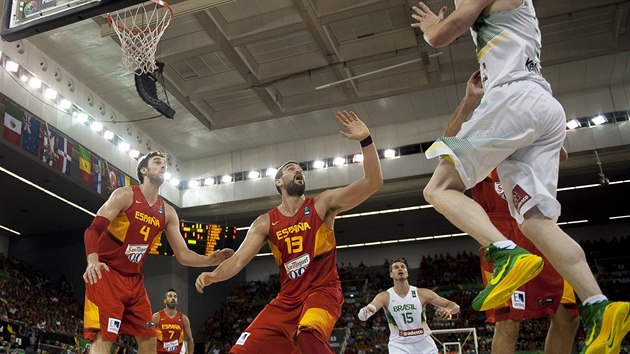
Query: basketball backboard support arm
x=19, y=22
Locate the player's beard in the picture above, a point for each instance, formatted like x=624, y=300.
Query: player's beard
x=171, y=305
x=295, y=190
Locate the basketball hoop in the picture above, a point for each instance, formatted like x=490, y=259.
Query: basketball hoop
x=139, y=30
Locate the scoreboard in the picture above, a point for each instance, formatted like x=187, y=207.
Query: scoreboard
x=202, y=238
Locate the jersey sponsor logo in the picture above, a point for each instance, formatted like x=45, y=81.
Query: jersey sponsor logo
x=519, y=197
x=499, y=189
x=532, y=66
x=113, y=325
x=299, y=227
x=171, y=346
x=274, y=223
x=405, y=307
x=147, y=219
x=518, y=300
x=166, y=326
x=243, y=338
x=307, y=211
x=296, y=267
x=413, y=293
x=411, y=332
x=136, y=252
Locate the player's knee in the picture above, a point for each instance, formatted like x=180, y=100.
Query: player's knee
x=430, y=193
x=507, y=329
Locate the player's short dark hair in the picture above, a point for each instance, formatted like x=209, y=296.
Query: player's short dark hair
x=398, y=260
x=279, y=172
x=144, y=162
x=168, y=291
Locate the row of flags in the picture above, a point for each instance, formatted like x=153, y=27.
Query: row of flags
x=23, y=129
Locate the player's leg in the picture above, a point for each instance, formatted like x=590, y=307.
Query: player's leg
x=100, y=346
x=138, y=318
x=270, y=332
x=102, y=312
x=505, y=336
x=561, y=333
x=146, y=345
x=319, y=315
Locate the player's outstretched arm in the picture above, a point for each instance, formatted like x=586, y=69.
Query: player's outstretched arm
x=380, y=300
x=184, y=255
x=188, y=335
x=341, y=199
x=439, y=31
x=119, y=200
x=474, y=92
x=445, y=307
x=256, y=237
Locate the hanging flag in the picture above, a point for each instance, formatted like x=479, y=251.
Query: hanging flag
x=49, y=146
x=112, y=176
x=96, y=173
x=13, y=123
x=124, y=180
x=85, y=165
x=64, y=150
x=30, y=133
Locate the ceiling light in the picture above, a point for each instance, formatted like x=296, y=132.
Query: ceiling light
x=35, y=83
x=96, y=126
x=597, y=120
x=174, y=182
x=50, y=93
x=109, y=135
x=12, y=66
x=271, y=172
x=167, y=176
x=24, y=78
x=338, y=161
x=134, y=153
x=357, y=158
x=82, y=117
x=65, y=104
x=573, y=123
x=123, y=146
x=208, y=181
x=226, y=179
x=193, y=183
x=389, y=153
x=319, y=164
x=253, y=174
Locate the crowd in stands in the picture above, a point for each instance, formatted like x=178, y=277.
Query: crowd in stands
x=47, y=317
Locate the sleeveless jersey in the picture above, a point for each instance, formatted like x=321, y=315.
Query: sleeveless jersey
x=404, y=316
x=305, y=250
x=490, y=195
x=124, y=244
x=170, y=332
x=508, y=46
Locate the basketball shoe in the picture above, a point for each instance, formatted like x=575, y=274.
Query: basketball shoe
x=605, y=324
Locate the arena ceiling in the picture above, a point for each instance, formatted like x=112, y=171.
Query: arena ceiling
x=243, y=74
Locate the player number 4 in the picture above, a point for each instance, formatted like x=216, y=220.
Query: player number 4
x=145, y=231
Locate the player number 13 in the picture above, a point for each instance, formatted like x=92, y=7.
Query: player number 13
x=294, y=244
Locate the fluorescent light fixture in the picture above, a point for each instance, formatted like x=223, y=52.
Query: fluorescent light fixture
x=319, y=164
x=243, y=228
x=339, y=161
x=208, y=181
x=50, y=93
x=11, y=66
x=65, y=104
x=24, y=78
x=134, y=153
x=357, y=158
x=96, y=126
x=226, y=178
x=389, y=153
x=174, y=182
x=35, y=83
x=167, y=176
x=253, y=174
x=10, y=230
x=124, y=146
x=109, y=135
x=619, y=217
x=193, y=183
x=271, y=172
x=82, y=117
x=573, y=123
x=598, y=120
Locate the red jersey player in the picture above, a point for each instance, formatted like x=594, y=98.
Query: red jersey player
x=116, y=244
x=172, y=327
x=300, y=234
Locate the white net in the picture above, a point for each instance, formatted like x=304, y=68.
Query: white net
x=139, y=29
x=456, y=340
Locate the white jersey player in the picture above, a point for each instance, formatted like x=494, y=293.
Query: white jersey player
x=402, y=304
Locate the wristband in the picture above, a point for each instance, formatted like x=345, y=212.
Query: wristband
x=366, y=142
x=90, y=237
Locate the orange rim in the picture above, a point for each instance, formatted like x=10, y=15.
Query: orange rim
x=122, y=27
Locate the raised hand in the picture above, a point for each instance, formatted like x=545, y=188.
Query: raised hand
x=425, y=17
x=204, y=279
x=474, y=89
x=352, y=127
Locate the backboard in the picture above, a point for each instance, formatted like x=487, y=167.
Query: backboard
x=25, y=18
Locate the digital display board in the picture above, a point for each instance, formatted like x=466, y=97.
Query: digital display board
x=202, y=238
